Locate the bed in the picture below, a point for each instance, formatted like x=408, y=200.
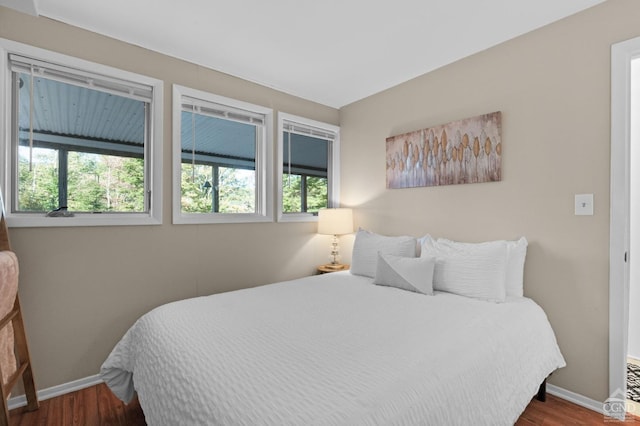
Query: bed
x=343, y=348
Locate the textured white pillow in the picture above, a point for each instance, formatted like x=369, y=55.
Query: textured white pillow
x=406, y=273
x=472, y=270
x=367, y=245
x=515, y=268
x=420, y=242
x=516, y=254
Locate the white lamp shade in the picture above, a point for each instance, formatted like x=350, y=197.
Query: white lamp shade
x=335, y=221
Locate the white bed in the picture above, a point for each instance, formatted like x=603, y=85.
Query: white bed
x=334, y=349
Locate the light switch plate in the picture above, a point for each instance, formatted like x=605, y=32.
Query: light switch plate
x=584, y=205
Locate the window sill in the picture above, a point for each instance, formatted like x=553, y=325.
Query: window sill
x=297, y=217
x=213, y=218
x=97, y=219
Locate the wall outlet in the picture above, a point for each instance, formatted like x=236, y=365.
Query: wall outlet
x=584, y=205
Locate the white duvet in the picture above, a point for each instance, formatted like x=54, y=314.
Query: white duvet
x=334, y=349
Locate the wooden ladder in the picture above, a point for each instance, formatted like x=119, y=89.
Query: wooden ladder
x=23, y=360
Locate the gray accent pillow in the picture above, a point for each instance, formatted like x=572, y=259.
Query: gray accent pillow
x=406, y=273
x=367, y=245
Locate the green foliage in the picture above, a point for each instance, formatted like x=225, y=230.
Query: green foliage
x=38, y=184
x=194, y=198
x=316, y=193
x=103, y=183
x=236, y=189
x=292, y=193
x=95, y=182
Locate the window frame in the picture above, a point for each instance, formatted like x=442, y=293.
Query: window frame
x=152, y=158
x=333, y=168
x=263, y=161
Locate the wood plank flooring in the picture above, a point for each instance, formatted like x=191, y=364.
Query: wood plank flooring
x=559, y=412
x=97, y=406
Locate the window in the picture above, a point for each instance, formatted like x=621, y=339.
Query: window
x=222, y=159
x=82, y=137
x=308, y=167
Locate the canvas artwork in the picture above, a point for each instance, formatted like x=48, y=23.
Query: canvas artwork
x=463, y=151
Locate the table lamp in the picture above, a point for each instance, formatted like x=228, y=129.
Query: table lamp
x=335, y=222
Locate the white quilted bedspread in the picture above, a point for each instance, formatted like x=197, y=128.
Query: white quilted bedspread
x=334, y=349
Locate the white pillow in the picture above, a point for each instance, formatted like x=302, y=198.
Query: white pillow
x=406, y=273
x=516, y=254
x=515, y=267
x=367, y=245
x=472, y=270
x=420, y=242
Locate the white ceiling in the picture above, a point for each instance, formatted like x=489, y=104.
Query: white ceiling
x=333, y=52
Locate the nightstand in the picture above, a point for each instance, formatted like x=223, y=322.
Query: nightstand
x=328, y=267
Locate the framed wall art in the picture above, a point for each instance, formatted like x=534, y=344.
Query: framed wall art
x=463, y=151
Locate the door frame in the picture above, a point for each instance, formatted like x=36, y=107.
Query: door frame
x=619, y=238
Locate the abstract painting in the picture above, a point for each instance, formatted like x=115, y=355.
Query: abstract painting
x=463, y=151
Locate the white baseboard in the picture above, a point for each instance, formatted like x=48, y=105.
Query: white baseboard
x=21, y=401
x=576, y=398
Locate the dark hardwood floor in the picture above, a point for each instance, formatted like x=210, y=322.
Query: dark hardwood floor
x=98, y=406
x=95, y=405
x=559, y=412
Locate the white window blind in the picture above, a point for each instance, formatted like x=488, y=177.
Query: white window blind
x=306, y=130
x=39, y=68
x=226, y=112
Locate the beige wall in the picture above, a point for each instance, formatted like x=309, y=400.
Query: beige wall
x=81, y=288
x=553, y=88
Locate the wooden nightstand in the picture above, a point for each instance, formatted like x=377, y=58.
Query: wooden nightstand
x=328, y=267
